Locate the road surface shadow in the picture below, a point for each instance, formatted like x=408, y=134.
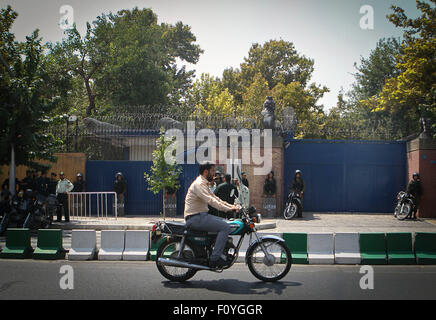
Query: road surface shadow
x=5, y=286
x=234, y=286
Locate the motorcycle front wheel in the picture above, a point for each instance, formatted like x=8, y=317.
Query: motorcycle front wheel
x=272, y=265
x=290, y=211
x=170, y=249
x=403, y=211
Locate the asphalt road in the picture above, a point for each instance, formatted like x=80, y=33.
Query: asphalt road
x=30, y=279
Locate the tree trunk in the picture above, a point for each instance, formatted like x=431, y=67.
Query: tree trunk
x=91, y=98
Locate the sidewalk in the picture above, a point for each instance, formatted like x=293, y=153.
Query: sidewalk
x=311, y=222
x=353, y=222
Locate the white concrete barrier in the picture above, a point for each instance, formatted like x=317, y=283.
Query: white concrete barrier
x=246, y=243
x=347, y=248
x=137, y=245
x=112, y=245
x=320, y=248
x=83, y=245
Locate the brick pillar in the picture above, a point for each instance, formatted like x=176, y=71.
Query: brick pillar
x=421, y=157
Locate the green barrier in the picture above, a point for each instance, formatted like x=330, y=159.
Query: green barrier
x=399, y=247
x=425, y=247
x=49, y=245
x=373, y=248
x=17, y=244
x=297, y=243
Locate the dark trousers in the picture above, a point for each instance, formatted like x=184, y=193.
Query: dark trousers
x=206, y=222
x=63, y=200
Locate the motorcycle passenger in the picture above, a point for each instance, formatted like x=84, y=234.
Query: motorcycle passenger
x=198, y=197
x=299, y=187
x=414, y=188
x=63, y=187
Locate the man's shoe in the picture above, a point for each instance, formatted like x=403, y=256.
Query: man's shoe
x=217, y=264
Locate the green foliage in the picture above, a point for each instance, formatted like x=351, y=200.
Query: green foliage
x=164, y=175
x=125, y=58
x=26, y=104
x=412, y=92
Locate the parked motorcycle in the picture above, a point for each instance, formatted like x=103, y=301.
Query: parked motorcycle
x=16, y=211
x=405, y=205
x=185, y=251
x=38, y=217
x=293, y=206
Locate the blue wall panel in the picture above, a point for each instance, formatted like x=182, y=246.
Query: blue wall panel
x=361, y=176
x=100, y=176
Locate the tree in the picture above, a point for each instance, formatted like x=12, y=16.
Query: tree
x=412, y=93
x=127, y=58
x=81, y=57
x=142, y=66
x=278, y=62
x=209, y=100
x=254, y=97
x=357, y=118
x=25, y=106
x=164, y=174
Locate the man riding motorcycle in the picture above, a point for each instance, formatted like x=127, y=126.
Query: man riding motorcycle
x=198, y=197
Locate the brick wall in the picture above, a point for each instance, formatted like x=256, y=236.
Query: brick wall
x=423, y=160
x=256, y=182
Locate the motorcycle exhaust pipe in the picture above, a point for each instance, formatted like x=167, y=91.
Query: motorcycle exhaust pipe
x=182, y=264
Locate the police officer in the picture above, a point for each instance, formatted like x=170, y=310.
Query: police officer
x=79, y=184
x=299, y=187
x=63, y=187
x=415, y=189
x=52, y=184
x=41, y=184
x=120, y=187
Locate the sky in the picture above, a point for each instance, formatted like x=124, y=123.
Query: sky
x=327, y=31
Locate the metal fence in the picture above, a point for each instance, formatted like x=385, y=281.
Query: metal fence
x=92, y=204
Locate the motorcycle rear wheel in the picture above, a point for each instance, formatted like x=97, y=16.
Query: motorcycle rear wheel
x=171, y=249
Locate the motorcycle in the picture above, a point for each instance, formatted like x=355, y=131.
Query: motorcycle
x=38, y=216
x=293, y=206
x=405, y=205
x=185, y=252
x=16, y=211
